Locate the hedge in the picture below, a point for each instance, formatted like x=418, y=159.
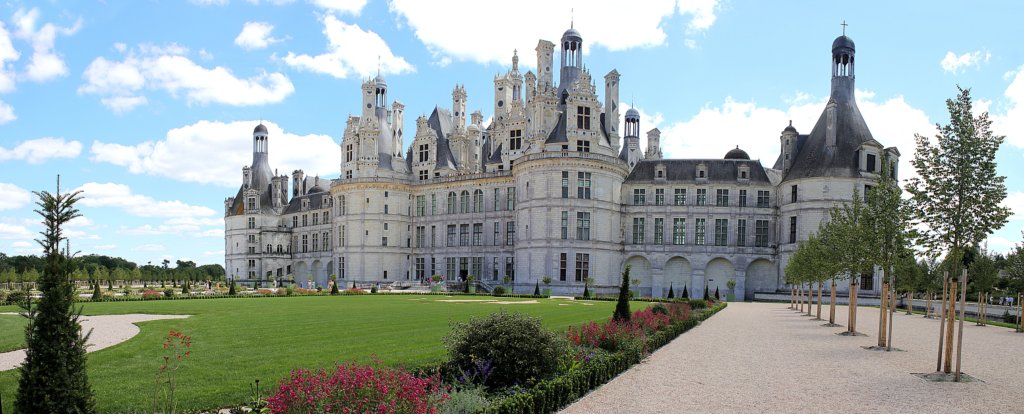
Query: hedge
x=257, y=295
x=552, y=395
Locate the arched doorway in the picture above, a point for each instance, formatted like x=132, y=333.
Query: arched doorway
x=640, y=270
x=761, y=277
x=299, y=272
x=678, y=273
x=717, y=274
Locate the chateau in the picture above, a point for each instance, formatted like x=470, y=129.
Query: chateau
x=549, y=188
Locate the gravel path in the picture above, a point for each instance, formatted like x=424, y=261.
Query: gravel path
x=763, y=357
x=107, y=330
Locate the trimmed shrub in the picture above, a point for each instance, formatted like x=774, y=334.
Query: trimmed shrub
x=717, y=297
x=659, y=308
x=465, y=400
x=536, y=289
x=686, y=294
x=586, y=291
x=334, y=288
x=622, y=306
x=498, y=291
x=17, y=297
x=168, y=292
x=231, y=290
x=96, y=293
x=518, y=349
x=290, y=290
x=671, y=293
x=696, y=304
x=373, y=289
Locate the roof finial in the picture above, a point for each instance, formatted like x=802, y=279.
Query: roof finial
x=572, y=17
x=844, y=27
x=378, y=66
x=790, y=122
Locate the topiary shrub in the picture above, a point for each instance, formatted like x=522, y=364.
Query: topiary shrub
x=334, y=288
x=168, y=292
x=671, y=293
x=536, y=290
x=96, y=293
x=498, y=290
x=717, y=297
x=373, y=289
x=231, y=290
x=17, y=297
x=517, y=349
x=686, y=293
x=622, y=305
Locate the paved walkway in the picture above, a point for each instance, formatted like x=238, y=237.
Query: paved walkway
x=107, y=330
x=763, y=357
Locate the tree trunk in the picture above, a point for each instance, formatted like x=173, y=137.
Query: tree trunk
x=832, y=304
x=960, y=330
x=910, y=302
x=928, y=299
x=947, y=362
x=819, y=300
x=1020, y=313
x=800, y=298
x=852, y=324
x=892, y=310
x=792, y=297
x=883, y=308
x=810, y=297
x=942, y=321
x=977, y=321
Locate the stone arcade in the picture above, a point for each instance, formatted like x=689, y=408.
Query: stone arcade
x=550, y=187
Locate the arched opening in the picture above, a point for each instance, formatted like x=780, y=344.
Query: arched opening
x=678, y=274
x=717, y=275
x=639, y=274
x=760, y=277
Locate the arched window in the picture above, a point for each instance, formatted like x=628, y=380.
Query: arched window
x=478, y=201
x=464, y=201
x=279, y=248
x=451, y=203
x=270, y=248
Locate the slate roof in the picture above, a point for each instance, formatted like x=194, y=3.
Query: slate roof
x=686, y=170
x=815, y=159
x=558, y=133
x=261, y=176
x=440, y=122
x=315, y=202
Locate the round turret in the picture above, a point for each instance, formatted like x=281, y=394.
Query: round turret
x=632, y=113
x=789, y=128
x=572, y=34
x=379, y=80
x=737, y=154
x=843, y=42
x=315, y=189
x=260, y=129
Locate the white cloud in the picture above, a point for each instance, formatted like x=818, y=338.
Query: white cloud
x=15, y=231
x=954, y=63
x=36, y=151
x=1011, y=122
x=1015, y=202
x=255, y=35
x=610, y=24
x=6, y=113
x=212, y=152
x=149, y=248
x=755, y=129
x=45, y=64
x=120, y=196
x=8, y=54
x=213, y=253
x=342, y=6
x=104, y=247
x=121, y=83
x=14, y=197
x=350, y=51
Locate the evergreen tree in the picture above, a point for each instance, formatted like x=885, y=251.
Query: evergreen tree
x=671, y=294
x=536, y=289
x=716, y=294
x=622, y=313
x=958, y=195
x=96, y=294
x=706, y=295
x=53, y=376
x=184, y=288
x=334, y=288
x=231, y=289
x=586, y=291
x=686, y=293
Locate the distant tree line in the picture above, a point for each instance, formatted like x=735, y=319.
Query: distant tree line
x=108, y=270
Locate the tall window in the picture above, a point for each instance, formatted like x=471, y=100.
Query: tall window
x=494, y=269
x=463, y=235
x=582, y=145
x=871, y=162
x=741, y=232
x=511, y=202
x=761, y=233
x=305, y=243
x=421, y=205
x=659, y=197
x=433, y=204
x=743, y=198
x=582, y=266
x=451, y=235
x=478, y=235
x=699, y=232
x=510, y=268
x=451, y=203
x=659, y=231
x=464, y=202
x=702, y=196
x=497, y=233
x=762, y=199
x=721, y=232
x=327, y=217
x=476, y=266
x=348, y=153
x=565, y=184
x=583, y=185
x=678, y=230
x=792, y=229
x=433, y=240
x=515, y=139
x=722, y=197
x=638, y=230
x=565, y=225
x=582, y=226
x=341, y=235
x=305, y=220
x=420, y=235
x=295, y=221
x=316, y=218
x=421, y=268
x=510, y=233
x=424, y=175
x=252, y=222
x=582, y=117
x=451, y=267
x=680, y=199
x=341, y=267
x=639, y=196
x=497, y=197
x=563, y=264
x=792, y=195
x=424, y=152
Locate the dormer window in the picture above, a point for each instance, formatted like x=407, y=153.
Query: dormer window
x=305, y=204
x=871, y=161
x=583, y=145
x=702, y=171
x=515, y=140
x=251, y=204
x=582, y=118
x=424, y=152
x=659, y=171
x=744, y=172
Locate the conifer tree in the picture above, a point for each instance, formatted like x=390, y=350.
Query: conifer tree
x=686, y=293
x=671, y=294
x=717, y=297
x=53, y=376
x=536, y=290
x=622, y=313
x=706, y=295
x=231, y=289
x=96, y=294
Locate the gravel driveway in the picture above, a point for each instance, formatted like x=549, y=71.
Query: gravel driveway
x=763, y=357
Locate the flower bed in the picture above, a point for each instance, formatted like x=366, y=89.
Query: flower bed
x=357, y=389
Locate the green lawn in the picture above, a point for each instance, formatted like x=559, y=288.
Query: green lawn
x=12, y=332
x=235, y=341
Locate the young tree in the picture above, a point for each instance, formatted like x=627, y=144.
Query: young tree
x=958, y=195
x=622, y=313
x=844, y=237
x=982, y=275
x=53, y=376
x=886, y=219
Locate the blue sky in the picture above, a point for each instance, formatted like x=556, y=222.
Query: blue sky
x=148, y=106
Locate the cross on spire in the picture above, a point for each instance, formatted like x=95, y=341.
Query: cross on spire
x=844, y=26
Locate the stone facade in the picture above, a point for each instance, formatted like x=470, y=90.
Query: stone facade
x=547, y=189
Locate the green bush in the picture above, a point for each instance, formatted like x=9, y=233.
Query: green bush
x=17, y=297
x=3, y=296
x=659, y=308
x=168, y=292
x=373, y=289
x=498, y=290
x=1007, y=316
x=696, y=304
x=290, y=290
x=466, y=400
x=516, y=347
